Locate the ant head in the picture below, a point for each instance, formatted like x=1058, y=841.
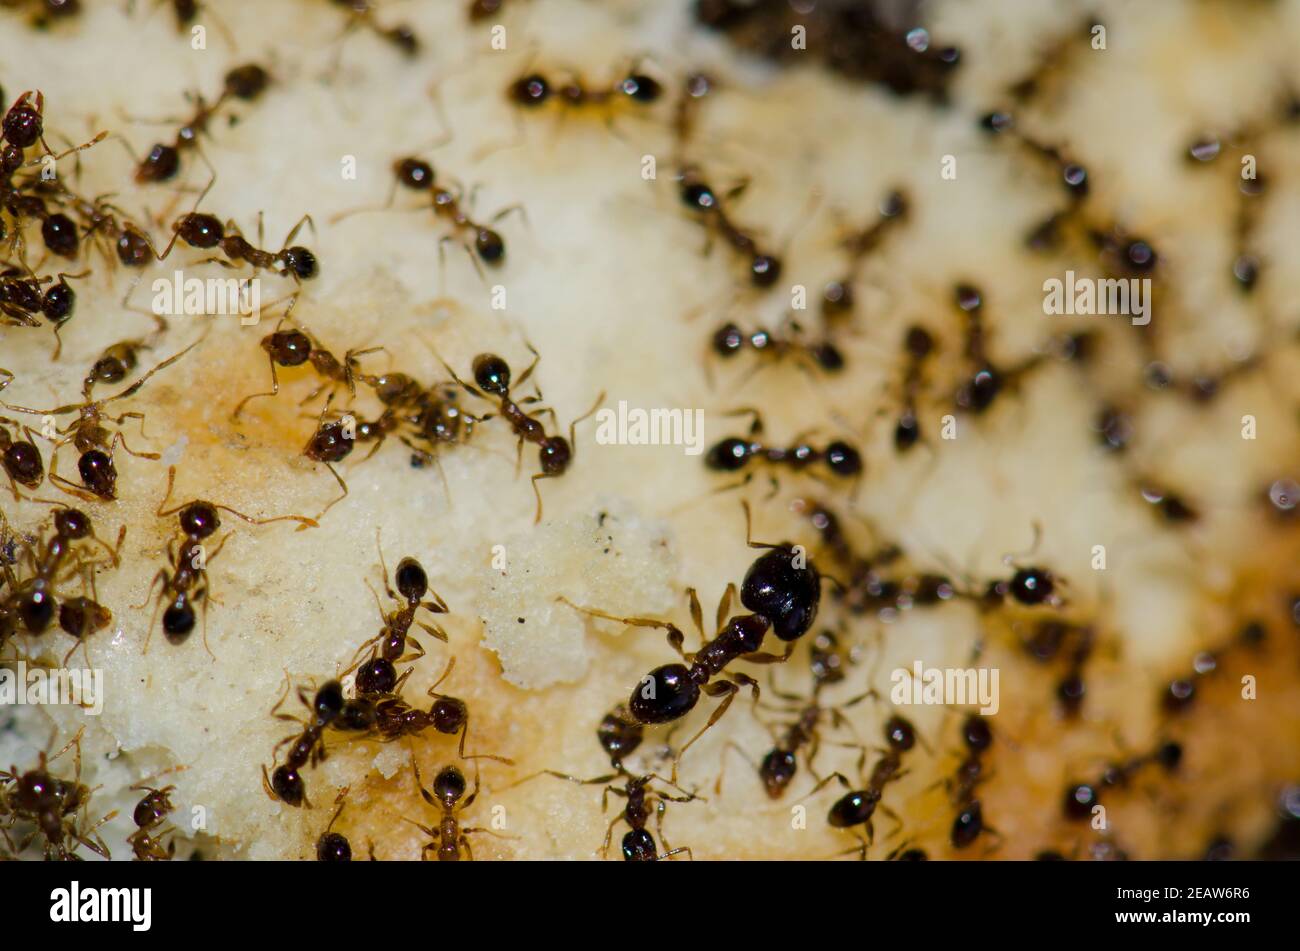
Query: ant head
x=640, y=88
x=783, y=586
x=827, y=659
x=665, y=694
x=531, y=90
x=152, y=808
x=414, y=173
x=918, y=342
x=492, y=374
x=199, y=230
x=72, y=523
x=412, y=582
x=490, y=246
x=330, y=443
x=199, y=519
x=997, y=122
x=828, y=356
x=328, y=701
x=976, y=734
x=698, y=196
x=899, y=734
x=843, y=459
x=375, y=677
x=288, y=348
x=23, y=123
x=1079, y=801
x=449, y=786
x=968, y=297
x=555, y=455
x=1032, y=586
x=978, y=392
x=764, y=270
x=619, y=734
x=246, y=82
x=729, y=455
x=728, y=340
x=300, y=262
x=449, y=715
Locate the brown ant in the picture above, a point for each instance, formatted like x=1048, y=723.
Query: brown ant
x=735, y=453
x=492, y=381
x=93, y=441
x=334, y=846
x=977, y=393
x=361, y=13
x=699, y=196
x=187, y=581
x=147, y=841
x=1049, y=637
x=285, y=783
x=837, y=296
x=246, y=82
x=969, y=823
x=449, y=839
x=535, y=90
x=728, y=340
x=331, y=443
x=858, y=806
x=1081, y=798
x=52, y=805
x=918, y=344
x=412, y=586
x=20, y=457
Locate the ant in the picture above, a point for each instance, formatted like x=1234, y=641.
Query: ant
x=535, y=90
x=114, y=365
x=412, y=585
x=331, y=443
x=837, y=296
x=977, y=393
x=33, y=602
x=918, y=345
x=858, y=806
x=783, y=590
x=246, y=82
x=1048, y=638
x=969, y=823
x=1081, y=798
x=779, y=766
x=361, y=13
x=285, y=783
x=492, y=379
x=728, y=340
x=449, y=840
x=418, y=175
x=53, y=805
x=699, y=196
x=187, y=581
x=21, y=300
x=150, y=813
x=92, y=440
x=21, y=459
x=734, y=453
x=293, y=348
x=130, y=243
x=205, y=232
x=619, y=734
x=334, y=846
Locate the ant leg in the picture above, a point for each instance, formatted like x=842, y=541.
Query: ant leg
x=726, y=689
x=538, y=493
x=724, y=604
x=675, y=636
x=731, y=745
x=119, y=438
x=274, y=391
x=763, y=657
x=451, y=662
x=573, y=438
x=339, y=479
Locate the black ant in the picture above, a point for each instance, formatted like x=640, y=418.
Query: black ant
x=837, y=296
x=334, y=846
x=187, y=581
x=969, y=823
x=412, y=586
x=977, y=393
x=918, y=344
x=331, y=443
x=619, y=735
x=735, y=453
x=1081, y=798
x=492, y=381
x=728, y=340
x=779, y=766
x=534, y=90
x=361, y=13
x=130, y=243
x=783, y=590
x=858, y=806
x=699, y=196
x=285, y=783
x=489, y=246
x=93, y=441
x=246, y=82
x=21, y=459
x=1049, y=637
x=294, y=348
x=449, y=839
x=53, y=805
x=205, y=232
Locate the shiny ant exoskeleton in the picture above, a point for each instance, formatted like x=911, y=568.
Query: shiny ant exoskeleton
x=858, y=806
x=735, y=453
x=334, y=846
x=492, y=382
x=412, y=586
x=449, y=839
x=53, y=805
x=186, y=582
x=729, y=340
x=285, y=783
x=93, y=441
x=699, y=196
x=534, y=90
x=246, y=83
x=150, y=841
x=969, y=822
x=20, y=457
x=488, y=245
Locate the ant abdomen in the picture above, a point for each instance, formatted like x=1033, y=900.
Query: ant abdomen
x=784, y=587
x=667, y=693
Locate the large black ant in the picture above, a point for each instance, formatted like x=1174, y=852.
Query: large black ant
x=699, y=196
x=783, y=590
x=492, y=381
x=449, y=839
x=93, y=441
x=187, y=580
x=858, y=806
x=245, y=82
